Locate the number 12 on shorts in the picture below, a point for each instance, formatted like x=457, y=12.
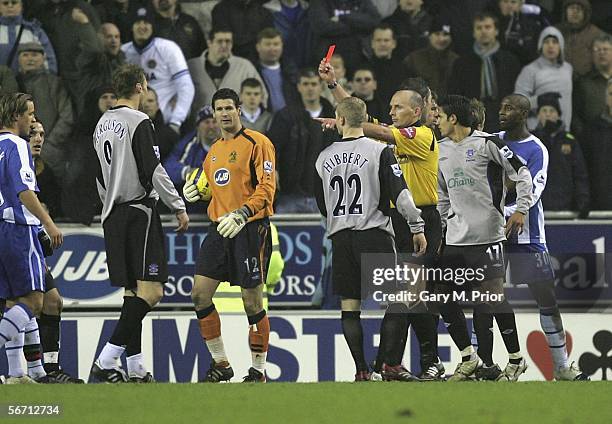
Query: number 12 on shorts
x=254, y=266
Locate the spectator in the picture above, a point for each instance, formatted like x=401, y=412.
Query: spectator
x=172, y=24
x=166, y=137
x=217, y=68
x=579, y=34
x=338, y=63
x=100, y=55
x=548, y=74
x=589, y=93
x=410, y=23
x=385, y=8
x=488, y=73
x=567, y=186
x=365, y=87
x=385, y=63
x=298, y=140
x=278, y=75
x=8, y=83
x=291, y=19
x=62, y=20
x=80, y=200
x=597, y=147
x=120, y=13
x=520, y=25
x=165, y=67
x=253, y=114
x=17, y=31
x=201, y=10
x=52, y=102
x=345, y=23
x=50, y=192
x=190, y=151
x=434, y=62
x=244, y=19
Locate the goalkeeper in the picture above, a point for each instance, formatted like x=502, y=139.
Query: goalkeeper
x=240, y=182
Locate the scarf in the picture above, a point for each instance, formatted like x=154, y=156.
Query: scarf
x=488, y=78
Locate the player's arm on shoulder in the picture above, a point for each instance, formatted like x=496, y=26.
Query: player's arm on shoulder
x=516, y=170
x=150, y=171
x=265, y=167
x=390, y=175
x=378, y=132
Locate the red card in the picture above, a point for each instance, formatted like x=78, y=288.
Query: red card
x=330, y=52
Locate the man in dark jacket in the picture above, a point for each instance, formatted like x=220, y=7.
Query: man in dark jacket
x=53, y=105
x=567, y=187
x=488, y=73
x=597, y=144
x=298, y=140
x=100, y=55
x=171, y=23
x=410, y=23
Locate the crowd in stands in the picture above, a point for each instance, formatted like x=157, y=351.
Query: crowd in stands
x=558, y=53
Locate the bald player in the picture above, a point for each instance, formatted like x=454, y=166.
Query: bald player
x=526, y=252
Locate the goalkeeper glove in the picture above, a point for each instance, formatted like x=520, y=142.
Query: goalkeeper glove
x=231, y=223
x=190, y=191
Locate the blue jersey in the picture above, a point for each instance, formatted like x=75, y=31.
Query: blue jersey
x=16, y=175
x=532, y=152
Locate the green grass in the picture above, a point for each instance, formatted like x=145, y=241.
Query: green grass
x=377, y=403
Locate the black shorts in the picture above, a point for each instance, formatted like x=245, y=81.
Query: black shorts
x=49, y=282
x=433, y=233
x=347, y=248
x=478, y=262
x=242, y=261
x=134, y=242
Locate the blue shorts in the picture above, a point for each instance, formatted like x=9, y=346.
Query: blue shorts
x=528, y=263
x=22, y=264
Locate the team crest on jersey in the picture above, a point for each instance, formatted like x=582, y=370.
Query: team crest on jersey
x=469, y=155
x=233, y=156
x=397, y=171
x=153, y=269
x=151, y=64
x=156, y=150
x=506, y=152
x=27, y=175
x=222, y=177
x=268, y=167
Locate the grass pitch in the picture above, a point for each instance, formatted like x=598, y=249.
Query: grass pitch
x=377, y=403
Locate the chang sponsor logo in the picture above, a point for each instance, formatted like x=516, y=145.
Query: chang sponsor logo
x=459, y=179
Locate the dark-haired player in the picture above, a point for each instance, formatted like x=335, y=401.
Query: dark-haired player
x=240, y=168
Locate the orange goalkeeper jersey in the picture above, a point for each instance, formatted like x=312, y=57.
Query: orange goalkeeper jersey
x=240, y=172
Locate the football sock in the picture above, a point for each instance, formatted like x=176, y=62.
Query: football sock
x=14, y=321
x=49, y=327
x=483, y=329
x=14, y=355
x=134, y=345
x=133, y=311
x=210, y=329
x=32, y=350
x=552, y=325
x=454, y=319
x=504, y=315
x=392, y=329
x=135, y=365
x=259, y=336
x=353, y=334
x=110, y=354
x=424, y=327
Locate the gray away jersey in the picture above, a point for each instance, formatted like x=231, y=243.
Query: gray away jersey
x=358, y=177
x=128, y=165
x=471, y=188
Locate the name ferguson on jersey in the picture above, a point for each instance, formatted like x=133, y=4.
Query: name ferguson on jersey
x=111, y=125
x=344, y=158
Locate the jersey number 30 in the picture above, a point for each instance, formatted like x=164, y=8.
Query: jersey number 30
x=353, y=181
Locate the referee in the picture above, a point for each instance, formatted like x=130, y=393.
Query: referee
x=416, y=149
x=130, y=181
